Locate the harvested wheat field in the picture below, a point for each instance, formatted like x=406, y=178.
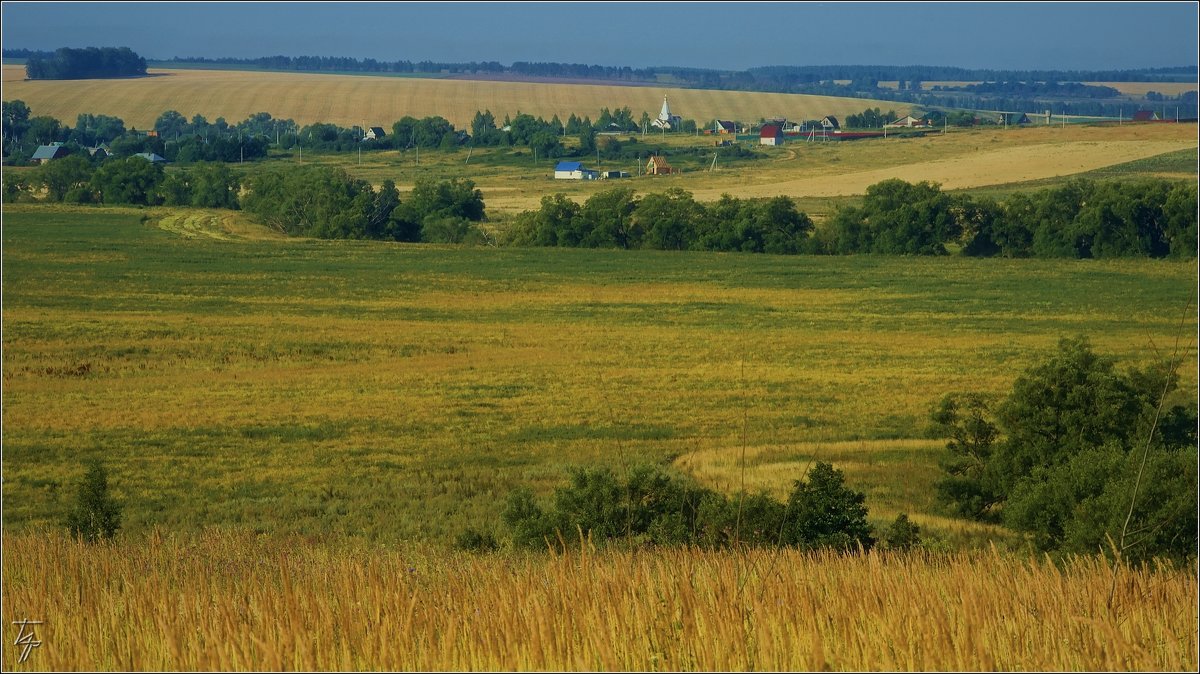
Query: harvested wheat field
x=357, y=99
x=993, y=167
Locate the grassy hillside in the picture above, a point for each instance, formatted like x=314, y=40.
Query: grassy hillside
x=353, y=99
x=399, y=391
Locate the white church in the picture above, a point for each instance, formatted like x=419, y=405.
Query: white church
x=665, y=119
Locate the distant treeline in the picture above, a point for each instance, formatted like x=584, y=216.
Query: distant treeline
x=766, y=75
x=1054, y=89
x=89, y=63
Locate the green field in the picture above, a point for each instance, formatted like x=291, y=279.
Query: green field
x=400, y=391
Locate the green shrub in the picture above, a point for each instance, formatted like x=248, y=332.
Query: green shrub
x=96, y=515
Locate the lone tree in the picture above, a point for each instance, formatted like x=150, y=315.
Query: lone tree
x=96, y=514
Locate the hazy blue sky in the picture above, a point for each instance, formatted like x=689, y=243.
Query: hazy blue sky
x=710, y=35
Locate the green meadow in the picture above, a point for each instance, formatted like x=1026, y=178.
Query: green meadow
x=232, y=379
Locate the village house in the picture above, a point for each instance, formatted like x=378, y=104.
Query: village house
x=830, y=123
x=374, y=133
x=722, y=126
x=47, y=153
x=1012, y=118
x=770, y=135
x=151, y=157
x=1145, y=116
x=906, y=122
x=658, y=166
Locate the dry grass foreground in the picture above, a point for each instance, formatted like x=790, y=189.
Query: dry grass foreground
x=234, y=602
x=362, y=99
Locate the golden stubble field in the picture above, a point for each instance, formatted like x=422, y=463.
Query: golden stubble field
x=349, y=100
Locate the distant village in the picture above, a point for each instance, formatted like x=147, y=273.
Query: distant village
x=773, y=131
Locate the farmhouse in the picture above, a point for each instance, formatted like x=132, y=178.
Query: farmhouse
x=906, y=122
x=830, y=123
x=722, y=126
x=1013, y=118
x=573, y=170
x=658, y=166
x=665, y=119
x=770, y=135
x=374, y=133
x=46, y=153
x=1145, y=116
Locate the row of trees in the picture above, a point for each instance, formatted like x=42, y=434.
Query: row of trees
x=672, y=220
x=649, y=507
x=870, y=118
x=1080, y=456
x=1082, y=219
x=89, y=63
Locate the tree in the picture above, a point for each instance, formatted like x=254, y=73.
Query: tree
x=96, y=515
x=16, y=120
x=44, y=130
x=132, y=180
x=214, y=185
x=609, y=219
x=668, y=219
x=170, y=124
x=823, y=513
x=62, y=176
x=902, y=534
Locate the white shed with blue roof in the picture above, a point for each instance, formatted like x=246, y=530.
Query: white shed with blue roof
x=574, y=170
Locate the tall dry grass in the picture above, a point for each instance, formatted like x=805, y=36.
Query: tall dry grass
x=232, y=601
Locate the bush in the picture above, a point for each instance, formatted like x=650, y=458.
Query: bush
x=651, y=508
x=96, y=514
x=902, y=534
x=472, y=540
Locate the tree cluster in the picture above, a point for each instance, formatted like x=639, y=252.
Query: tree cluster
x=132, y=180
x=870, y=118
x=672, y=220
x=651, y=508
x=1082, y=219
x=328, y=203
x=1071, y=451
x=89, y=63
x=1036, y=89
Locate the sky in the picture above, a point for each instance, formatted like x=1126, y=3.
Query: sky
x=721, y=35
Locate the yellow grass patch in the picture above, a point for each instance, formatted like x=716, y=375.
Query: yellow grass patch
x=237, y=602
x=358, y=99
